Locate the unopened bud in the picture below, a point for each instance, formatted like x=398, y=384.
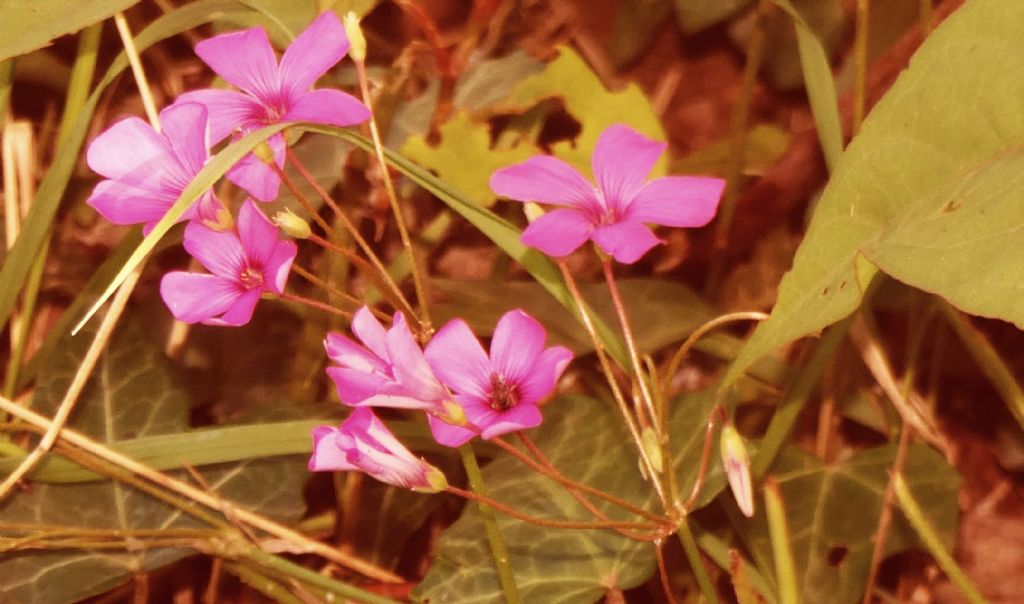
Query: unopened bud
x=356, y=40
x=737, y=468
x=264, y=153
x=292, y=224
x=652, y=447
x=436, y=481
x=532, y=211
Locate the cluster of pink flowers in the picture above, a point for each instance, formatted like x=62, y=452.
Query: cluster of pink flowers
x=464, y=390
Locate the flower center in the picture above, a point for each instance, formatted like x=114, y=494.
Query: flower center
x=504, y=394
x=251, y=278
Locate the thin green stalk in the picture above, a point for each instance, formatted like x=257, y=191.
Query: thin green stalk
x=696, y=563
x=262, y=583
x=498, y=548
x=782, y=552
x=78, y=92
x=796, y=396
x=988, y=360
x=284, y=567
x=915, y=515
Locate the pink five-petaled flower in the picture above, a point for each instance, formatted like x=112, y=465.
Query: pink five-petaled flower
x=273, y=92
x=148, y=170
x=389, y=370
x=245, y=263
x=614, y=213
x=365, y=444
x=499, y=393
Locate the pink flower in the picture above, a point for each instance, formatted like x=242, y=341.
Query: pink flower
x=499, y=393
x=273, y=93
x=244, y=264
x=148, y=170
x=614, y=213
x=365, y=444
x=389, y=370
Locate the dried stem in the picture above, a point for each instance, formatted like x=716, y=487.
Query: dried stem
x=137, y=71
x=885, y=518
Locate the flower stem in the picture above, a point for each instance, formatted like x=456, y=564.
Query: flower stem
x=382, y=281
x=318, y=282
x=634, y=357
x=931, y=540
x=705, y=457
x=389, y=187
x=778, y=532
x=306, y=205
x=685, y=535
x=602, y=357
x=545, y=522
x=498, y=548
x=666, y=585
x=349, y=226
x=315, y=304
x=860, y=64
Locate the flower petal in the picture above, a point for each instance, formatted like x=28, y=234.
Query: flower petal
x=121, y=203
x=219, y=252
x=677, y=201
x=457, y=358
x=545, y=179
x=327, y=455
x=345, y=352
x=185, y=126
x=228, y=111
x=449, y=435
x=518, y=341
x=541, y=380
x=396, y=401
x=240, y=311
x=256, y=177
x=409, y=365
x=257, y=234
x=371, y=333
x=627, y=240
x=195, y=297
x=622, y=160
x=275, y=271
x=355, y=386
x=246, y=60
x=131, y=151
x=517, y=418
x=559, y=232
x=310, y=55
x=325, y=106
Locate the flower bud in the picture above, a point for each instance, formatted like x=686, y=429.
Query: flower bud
x=532, y=211
x=737, y=468
x=356, y=40
x=292, y=224
x=652, y=448
x=264, y=153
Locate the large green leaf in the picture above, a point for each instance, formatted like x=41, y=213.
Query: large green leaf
x=558, y=565
x=133, y=392
x=26, y=26
x=926, y=192
x=833, y=511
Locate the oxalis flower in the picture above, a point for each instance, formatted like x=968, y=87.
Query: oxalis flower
x=612, y=214
x=389, y=370
x=244, y=264
x=499, y=393
x=148, y=170
x=273, y=92
x=364, y=443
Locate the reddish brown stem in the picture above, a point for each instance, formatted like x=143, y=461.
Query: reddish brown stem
x=666, y=585
x=315, y=304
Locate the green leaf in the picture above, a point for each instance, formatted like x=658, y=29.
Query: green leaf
x=559, y=565
x=464, y=157
x=26, y=26
x=592, y=105
x=818, y=81
x=832, y=512
x=766, y=144
x=133, y=392
x=926, y=192
x=51, y=190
